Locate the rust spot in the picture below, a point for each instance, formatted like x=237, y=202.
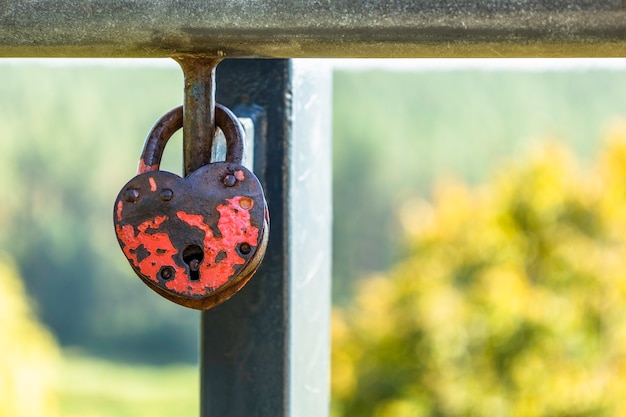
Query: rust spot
x=153, y=186
x=239, y=175
x=142, y=167
x=245, y=248
x=167, y=272
x=246, y=203
x=220, y=256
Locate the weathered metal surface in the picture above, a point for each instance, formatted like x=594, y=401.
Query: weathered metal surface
x=266, y=352
x=198, y=110
x=172, y=121
x=195, y=241
x=290, y=28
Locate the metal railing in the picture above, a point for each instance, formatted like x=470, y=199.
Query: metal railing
x=296, y=28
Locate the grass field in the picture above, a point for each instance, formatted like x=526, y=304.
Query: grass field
x=89, y=387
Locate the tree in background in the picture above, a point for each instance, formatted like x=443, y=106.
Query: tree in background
x=29, y=353
x=70, y=139
x=511, y=300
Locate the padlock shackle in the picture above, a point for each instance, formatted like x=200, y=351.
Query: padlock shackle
x=171, y=121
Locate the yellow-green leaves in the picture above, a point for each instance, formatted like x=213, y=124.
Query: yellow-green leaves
x=511, y=300
x=28, y=353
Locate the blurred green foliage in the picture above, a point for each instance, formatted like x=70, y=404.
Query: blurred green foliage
x=511, y=300
x=396, y=133
x=70, y=137
x=29, y=352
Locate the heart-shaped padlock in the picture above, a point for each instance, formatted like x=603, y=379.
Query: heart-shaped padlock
x=195, y=240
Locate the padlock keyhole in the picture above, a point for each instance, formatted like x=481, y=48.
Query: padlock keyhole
x=193, y=256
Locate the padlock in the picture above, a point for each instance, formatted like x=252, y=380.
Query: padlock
x=195, y=240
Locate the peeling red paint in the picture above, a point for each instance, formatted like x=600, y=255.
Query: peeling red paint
x=158, y=246
x=239, y=175
x=235, y=228
x=153, y=186
x=151, y=224
x=220, y=253
x=120, y=207
x=142, y=167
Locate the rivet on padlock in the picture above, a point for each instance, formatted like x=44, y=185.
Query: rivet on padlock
x=195, y=240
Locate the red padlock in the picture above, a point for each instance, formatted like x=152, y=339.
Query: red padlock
x=195, y=240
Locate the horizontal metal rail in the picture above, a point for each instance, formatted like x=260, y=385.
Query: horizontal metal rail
x=318, y=28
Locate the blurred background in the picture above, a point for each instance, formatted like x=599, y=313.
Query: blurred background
x=484, y=272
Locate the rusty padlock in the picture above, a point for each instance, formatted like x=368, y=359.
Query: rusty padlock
x=195, y=240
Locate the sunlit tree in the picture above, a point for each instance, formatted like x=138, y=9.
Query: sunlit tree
x=511, y=300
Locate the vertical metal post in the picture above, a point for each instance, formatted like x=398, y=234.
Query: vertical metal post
x=266, y=351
